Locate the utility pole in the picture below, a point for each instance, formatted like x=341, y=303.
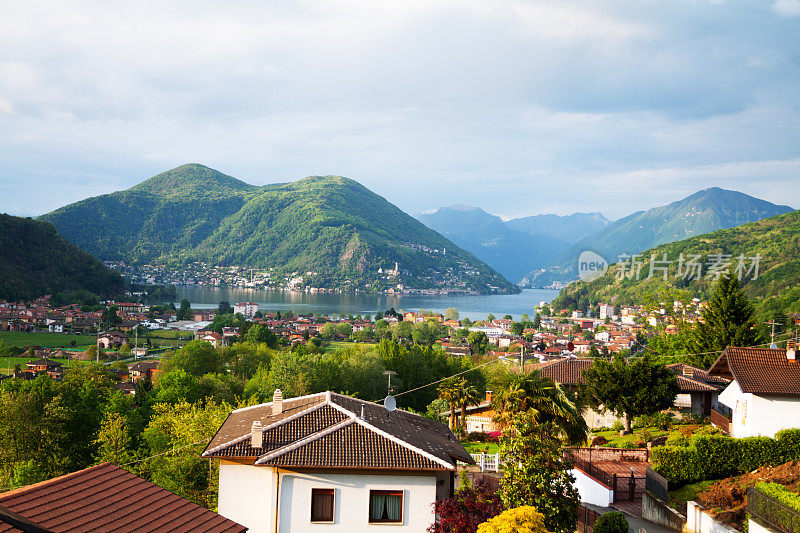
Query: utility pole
x=772, y=335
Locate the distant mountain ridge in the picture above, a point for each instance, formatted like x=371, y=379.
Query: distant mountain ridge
x=333, y=227
x=37, y=261
x=512, y=252
x=703, y=212
x=567, y=228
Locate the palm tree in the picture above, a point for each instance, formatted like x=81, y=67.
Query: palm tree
x=450, y=392
x=468, y=395
x=544, y=401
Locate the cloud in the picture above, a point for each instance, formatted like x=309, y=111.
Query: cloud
x=520, y=107
x=787, y=8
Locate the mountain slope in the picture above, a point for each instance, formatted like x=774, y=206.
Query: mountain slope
x=36, y=261
x=328, y=225
x=511, y=252
x=775, y=289
x=703, y=212
x=568, y=228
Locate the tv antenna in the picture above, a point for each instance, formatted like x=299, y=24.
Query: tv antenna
x=772, y=334
x=389, y=373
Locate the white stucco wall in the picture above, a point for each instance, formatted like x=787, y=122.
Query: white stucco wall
x=759, y=415
x=247, y=495
x=755, y=527
x=592, y=491
x=698, y=521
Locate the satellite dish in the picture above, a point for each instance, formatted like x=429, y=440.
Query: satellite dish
x=773, y=346
x=390, y=403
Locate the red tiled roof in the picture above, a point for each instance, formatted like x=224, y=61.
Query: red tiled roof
x=305, y=423
x=691, y=385
x=106, y=498
x=567, y=371
x=761, y=371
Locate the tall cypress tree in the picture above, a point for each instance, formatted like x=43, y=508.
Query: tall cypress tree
x=728, y=320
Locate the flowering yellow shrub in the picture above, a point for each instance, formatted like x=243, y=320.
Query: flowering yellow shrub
x=524, y=519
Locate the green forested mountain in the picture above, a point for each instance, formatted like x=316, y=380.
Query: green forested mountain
x=35, y=260
x=328, y=225
x=702, y=212
x=775, y=291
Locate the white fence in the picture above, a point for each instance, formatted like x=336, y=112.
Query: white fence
x=487, y=462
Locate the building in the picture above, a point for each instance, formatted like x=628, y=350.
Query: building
x=104, y=498
x=699, y=391
x=328, y=462
x=764, y=394
x=247, y=309
x=144, y=370
x=111, y=340
x=46, y=366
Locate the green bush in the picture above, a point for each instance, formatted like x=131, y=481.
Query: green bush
x=780, y=493
x=611, y=522
x=717, y=456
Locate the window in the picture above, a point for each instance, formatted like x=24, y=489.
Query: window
x=322, y=505
x=385, y=506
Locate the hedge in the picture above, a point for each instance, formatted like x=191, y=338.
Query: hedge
x=780, y=493
x=717, y=456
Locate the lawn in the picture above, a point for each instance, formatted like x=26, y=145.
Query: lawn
x=615, y=440
x=7, y=363
x=46, y=340
x=687, y=493
x=478, y=447
x=340, y=345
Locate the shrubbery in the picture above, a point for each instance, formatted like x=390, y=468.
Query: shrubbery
x=717, y=456
x=780, y=493
x=611, y=522
x=525, y=519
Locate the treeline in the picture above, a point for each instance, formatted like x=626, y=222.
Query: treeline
x=38, y=261
x=48, y=428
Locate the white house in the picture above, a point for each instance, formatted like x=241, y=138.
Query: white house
x=248, y=309
x=764, y=394
x=328, y=462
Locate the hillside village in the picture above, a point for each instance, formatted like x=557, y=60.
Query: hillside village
x=622, y=462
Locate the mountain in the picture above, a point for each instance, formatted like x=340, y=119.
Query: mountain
x=511, y=252
x=702, y=212
x=36, y=261
x=776, y=288
x=568, y=228
x=332, y=230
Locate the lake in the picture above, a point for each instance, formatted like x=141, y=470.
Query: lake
x=472, y=307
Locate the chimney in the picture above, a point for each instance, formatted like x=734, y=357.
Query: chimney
x=489, y=395
x=277, y=402
x=791, y=350
x=257, y=435
x=688, y=371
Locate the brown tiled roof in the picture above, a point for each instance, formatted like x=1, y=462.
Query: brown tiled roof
x=761, y=371
x=353, y=446
x=106, y=498
x=698, y=374
x=692, y=385
x=308, y=421
x=567, y=371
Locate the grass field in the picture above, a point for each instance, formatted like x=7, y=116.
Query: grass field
x=339, y=345
x=7, y=363
x=478, y=447
x=615, y=440
x=46, y=340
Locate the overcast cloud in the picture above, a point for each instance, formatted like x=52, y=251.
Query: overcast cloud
x=520, y=107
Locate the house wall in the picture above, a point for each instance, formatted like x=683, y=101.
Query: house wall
x=759, y=415
x=247, y=496
x=595, y=420
x=351, y=501
x=591, y=490
x=754, y=527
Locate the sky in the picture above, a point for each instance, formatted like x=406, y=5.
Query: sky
x=520, y=107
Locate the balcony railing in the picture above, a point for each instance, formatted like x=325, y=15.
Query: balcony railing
x=772, y=513
x=720, y=420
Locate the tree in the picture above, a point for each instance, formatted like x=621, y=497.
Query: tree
x=478, y=341
x=537, y=321
x=525, y=519
x=224, y=308
x=525, y=318
x=110, y=318
x=197, y=358
x=467, y=395
x=113, y=439
x=259, y=333
x=508, y=317
x=536, y=474
x=466, y=509
x=185, y=312
x=642, y=387
x=451, y=313
x=517, y=328
x=541, y=400
x=450, y=393
x=728, y=320
x=490, y=317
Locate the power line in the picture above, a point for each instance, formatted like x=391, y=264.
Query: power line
x=445, y=379
x=702, y=353
x=164, y=453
